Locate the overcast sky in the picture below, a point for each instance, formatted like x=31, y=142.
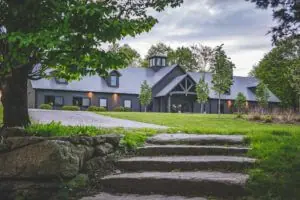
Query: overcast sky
x=236, y=23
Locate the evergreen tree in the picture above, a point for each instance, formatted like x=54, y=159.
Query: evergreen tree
x=145, y=96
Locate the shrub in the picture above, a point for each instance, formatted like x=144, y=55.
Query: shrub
x=268, y=118
x=45, y=106
x=288, y=116
x=72, y=108
x=239, y=116
x=121, y=109
x=127, y=109
x=254, y=116
x=96, y=109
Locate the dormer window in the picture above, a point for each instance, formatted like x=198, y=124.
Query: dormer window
x=113, y=79
x=61, y=81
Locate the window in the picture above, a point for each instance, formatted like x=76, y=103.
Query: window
x=152, y=62
x=113, y=80
x=81, y=101
x=61, y=81
x=49, y=100
x=158, y=61
x=103, y=102
x=59, y=101
x=77, y=101
x=163, y=61
x=54, y=100
x=85, y=102
x=127, y=103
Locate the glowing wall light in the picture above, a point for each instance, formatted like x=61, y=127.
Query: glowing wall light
x=229, y=103
x=90, y=95
x=115, y=98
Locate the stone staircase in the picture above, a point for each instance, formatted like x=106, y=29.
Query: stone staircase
x=184, y=165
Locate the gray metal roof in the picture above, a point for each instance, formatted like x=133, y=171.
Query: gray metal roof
x=129, y=82
x=240, y=84
x=166, y=90
x=131, y=79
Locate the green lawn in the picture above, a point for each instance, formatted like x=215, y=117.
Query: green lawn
x=276, y=146
x=196, y=123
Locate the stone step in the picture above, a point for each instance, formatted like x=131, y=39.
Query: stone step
x=194, y=139
x=107, y=196
x=186, y=163
x=168, y=150
x=178, y=183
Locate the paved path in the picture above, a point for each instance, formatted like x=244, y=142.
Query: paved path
x=84, y=118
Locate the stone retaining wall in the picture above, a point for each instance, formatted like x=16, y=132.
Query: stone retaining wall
x=41, y=167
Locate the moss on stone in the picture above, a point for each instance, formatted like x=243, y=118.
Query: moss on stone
x=78, y=182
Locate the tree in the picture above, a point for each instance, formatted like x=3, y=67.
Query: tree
x=203, y=56
x=182, y=56
x=274, y=70
x=222, y=73
x=145, y=95
x=287, y=15
x=295, y=80
x=262, y=95
x=157, y=49
x=133, y=57
x=240, y=102
x=64, y=36
x=196, y=58
x=202, y=92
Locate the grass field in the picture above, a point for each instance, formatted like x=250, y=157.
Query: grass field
x=196, y=123
x=276, y=146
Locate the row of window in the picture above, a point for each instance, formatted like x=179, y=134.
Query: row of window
x=81, y=101
x=157, y=62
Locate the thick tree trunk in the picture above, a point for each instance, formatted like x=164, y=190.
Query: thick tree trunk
x=201, y=107
x=145, y=108
x=14, y=99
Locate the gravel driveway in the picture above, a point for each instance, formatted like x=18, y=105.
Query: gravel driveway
x=84, y=118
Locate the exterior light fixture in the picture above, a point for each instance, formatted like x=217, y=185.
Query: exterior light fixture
x=229, y=103
x=90, y=95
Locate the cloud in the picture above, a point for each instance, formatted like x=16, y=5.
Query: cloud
x=237, y=24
